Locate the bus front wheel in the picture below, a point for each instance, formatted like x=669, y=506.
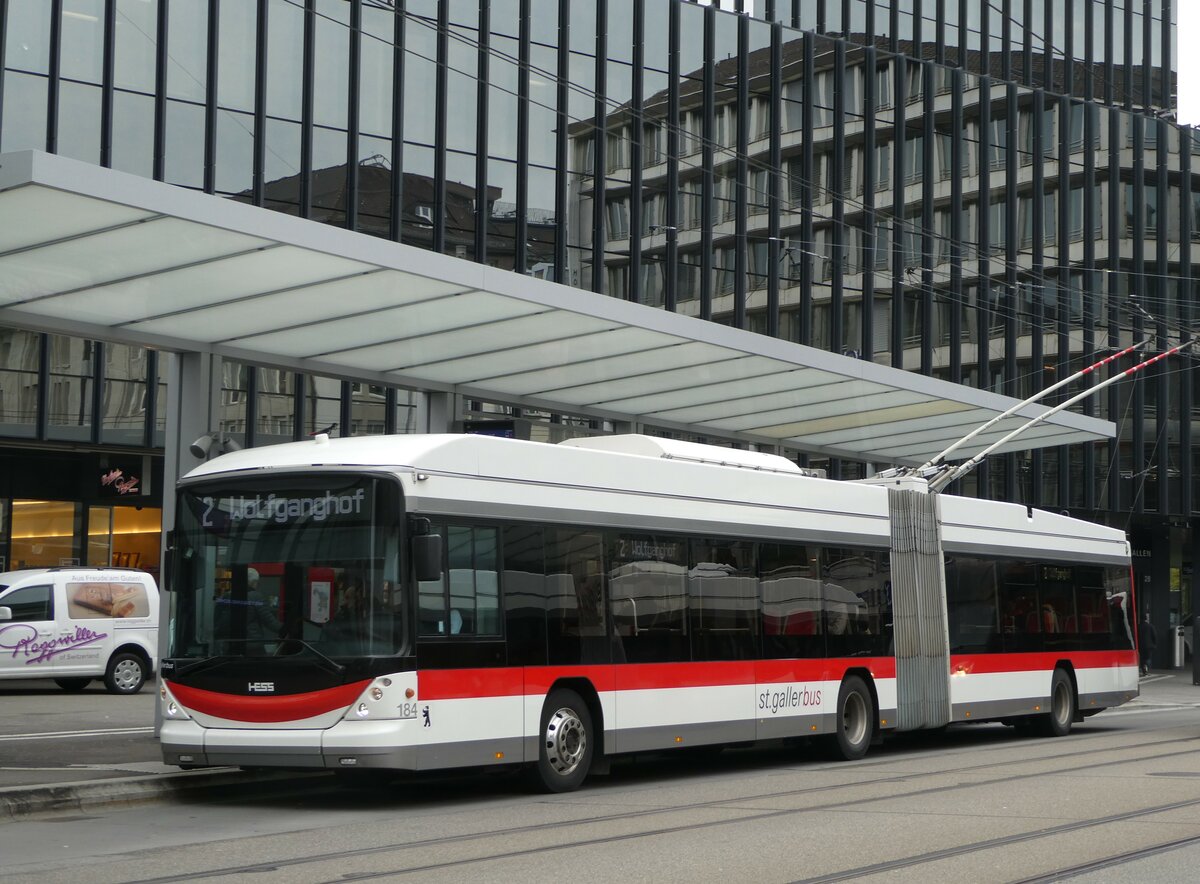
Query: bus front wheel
x=855, y=724
x=565, y=742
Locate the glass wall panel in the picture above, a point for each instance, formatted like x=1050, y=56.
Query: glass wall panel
x=282, y=166
x=375, y=77
x=133, y=133
x=27, y=40
x=323, y=406
x=123, y=396
x=79, y=122
x=368, y=410
x=331, y=74
x=185, y=144
x=187, y=49
x=71, y=379
x=235, y=395
x=329, y=197
x=420, y=75
x=462, y=76
x=24, y=112
x=134, y=45
x=20, y=358
x=235, y=154
x=237, y=52
x=285, y=80
x=274, y=406
x=82, y=53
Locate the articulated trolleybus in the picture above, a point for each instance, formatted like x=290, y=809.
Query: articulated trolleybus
x=430, y=602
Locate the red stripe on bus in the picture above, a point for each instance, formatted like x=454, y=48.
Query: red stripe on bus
x=1043, y=661
x=463, y=684
x=263, y=710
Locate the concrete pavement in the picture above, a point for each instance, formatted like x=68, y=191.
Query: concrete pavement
x=120, y=763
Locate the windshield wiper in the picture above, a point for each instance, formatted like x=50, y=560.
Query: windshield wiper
x=332, y=665
x=204, y=663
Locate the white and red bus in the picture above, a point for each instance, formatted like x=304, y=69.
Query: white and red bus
x=431, y=602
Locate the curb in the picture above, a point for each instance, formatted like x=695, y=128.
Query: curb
x=25, y=801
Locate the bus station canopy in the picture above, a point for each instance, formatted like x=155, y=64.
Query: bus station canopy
x=103, y=254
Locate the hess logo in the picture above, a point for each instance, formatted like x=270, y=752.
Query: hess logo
x=261, y=687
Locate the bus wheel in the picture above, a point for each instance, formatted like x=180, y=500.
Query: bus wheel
x=72, y=685
x=565, y=742
x=1062, y=706
x=126, y=674
x=855, y=721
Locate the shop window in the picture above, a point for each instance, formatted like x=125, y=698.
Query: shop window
x=44, y=532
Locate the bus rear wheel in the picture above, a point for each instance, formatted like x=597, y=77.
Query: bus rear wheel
x=1062, y=707
x=565, y=742
x=855, y=721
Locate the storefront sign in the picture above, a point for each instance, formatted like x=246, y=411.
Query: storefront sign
x=117, y=481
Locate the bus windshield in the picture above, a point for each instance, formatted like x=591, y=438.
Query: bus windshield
x=280, y=566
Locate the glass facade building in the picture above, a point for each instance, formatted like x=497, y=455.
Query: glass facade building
x=991, y=192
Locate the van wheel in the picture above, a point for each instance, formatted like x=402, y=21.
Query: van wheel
x=566, y=743
x=73, y=685
x=126, y=674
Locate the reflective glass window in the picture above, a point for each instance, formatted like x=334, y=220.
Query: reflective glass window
x=187, y=49
x=185, y=144
x=27, y=37
x=123, y=395
x=82, y=51
x=285, y=80
x=24, y=112
x=133, y=133
x=275, y=406
x=368, y=410
x=20, y=357
x=331, y=74
x=323, y=406
x=135, y=45
x=71, y=378
x=236, y=54
x=79, y=121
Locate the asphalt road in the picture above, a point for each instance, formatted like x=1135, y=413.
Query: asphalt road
x=1119, y=800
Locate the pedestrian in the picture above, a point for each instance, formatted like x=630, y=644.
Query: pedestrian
x=1147, y=639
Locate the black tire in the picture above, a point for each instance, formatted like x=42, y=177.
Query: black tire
x=1057, y=723
x=565, y=743
x=126, y=673
x=72, y=685
x=855, y=721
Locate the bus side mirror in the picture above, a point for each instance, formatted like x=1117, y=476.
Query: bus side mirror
x=427, y=556
x=5, y=613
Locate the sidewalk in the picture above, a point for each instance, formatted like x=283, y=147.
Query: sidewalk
x=1166, y=687
x=28, y=791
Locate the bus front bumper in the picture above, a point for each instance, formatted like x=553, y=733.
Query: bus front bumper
x=347, y=745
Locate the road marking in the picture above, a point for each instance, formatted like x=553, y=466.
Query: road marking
x=67, y=735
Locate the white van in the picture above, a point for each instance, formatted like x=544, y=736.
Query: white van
x=78, y=624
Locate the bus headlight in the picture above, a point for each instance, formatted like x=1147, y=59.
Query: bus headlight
x=376, y=693
x=362, y=710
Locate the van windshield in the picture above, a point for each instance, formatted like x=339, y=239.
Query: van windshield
x=268, y=567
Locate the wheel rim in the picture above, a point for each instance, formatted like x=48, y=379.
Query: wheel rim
x=127, y=674
x=854, y=719
x=1062, y=703
x=566, y=741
